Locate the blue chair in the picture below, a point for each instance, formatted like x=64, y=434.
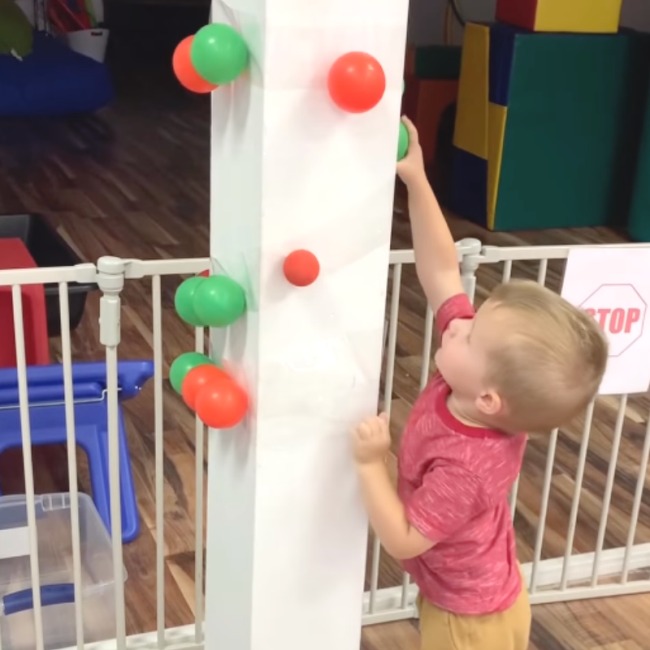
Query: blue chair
x=48, y=425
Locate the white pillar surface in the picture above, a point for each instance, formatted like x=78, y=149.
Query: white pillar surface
x=287, y=531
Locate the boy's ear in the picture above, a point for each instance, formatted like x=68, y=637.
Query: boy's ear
x=489, y=403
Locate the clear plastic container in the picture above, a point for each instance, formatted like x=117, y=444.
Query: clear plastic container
x=54, y=533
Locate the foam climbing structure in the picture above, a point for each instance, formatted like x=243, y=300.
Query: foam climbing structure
x=588, y=16
x=546, y=126
x=431, y=89
x=639, y=218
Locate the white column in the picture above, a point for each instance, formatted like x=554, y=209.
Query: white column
x=287, y=531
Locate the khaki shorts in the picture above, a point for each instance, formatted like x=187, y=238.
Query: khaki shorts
x=508, y=630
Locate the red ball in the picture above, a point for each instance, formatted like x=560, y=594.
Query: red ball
x=205, y=274
x=301, y=268
x=356, y=82
x=222, y=403
x=184, y=70
x=196, y=379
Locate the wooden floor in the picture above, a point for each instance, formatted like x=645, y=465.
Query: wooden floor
x=133, y=182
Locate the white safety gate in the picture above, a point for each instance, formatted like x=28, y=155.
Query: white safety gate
x=571, y=568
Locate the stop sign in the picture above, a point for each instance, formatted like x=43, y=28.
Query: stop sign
x=620, y=311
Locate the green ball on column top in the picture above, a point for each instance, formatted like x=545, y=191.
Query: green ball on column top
x=219, y=54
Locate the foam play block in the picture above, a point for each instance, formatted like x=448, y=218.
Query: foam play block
x=562, y=126
x=433, y=62
x=469, y=189
x=431, y=76
x=639, y=219
x=470, y=133
x=425, y=102
x=497, y=117
x=575, y=16
x=502, y=49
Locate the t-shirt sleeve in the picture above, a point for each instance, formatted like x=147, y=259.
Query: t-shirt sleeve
x=448, y=498
x=458, y=306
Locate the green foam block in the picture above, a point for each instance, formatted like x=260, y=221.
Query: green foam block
x=639, y=220
x=574, y=110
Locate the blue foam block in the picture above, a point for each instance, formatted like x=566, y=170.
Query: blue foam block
x=469, y=186
x=502, y=49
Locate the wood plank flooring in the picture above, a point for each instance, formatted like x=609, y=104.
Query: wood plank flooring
x=133, y=181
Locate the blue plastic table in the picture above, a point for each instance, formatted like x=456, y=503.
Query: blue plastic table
x=48, y=425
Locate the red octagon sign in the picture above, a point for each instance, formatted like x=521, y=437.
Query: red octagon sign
x=620, y=311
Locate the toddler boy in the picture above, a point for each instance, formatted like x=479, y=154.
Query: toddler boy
x=526, y=361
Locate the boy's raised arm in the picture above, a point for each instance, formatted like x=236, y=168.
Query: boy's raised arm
x=436, y=260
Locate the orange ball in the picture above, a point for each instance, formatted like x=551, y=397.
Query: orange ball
x=197, y=379
x=301, y=268
x=188, y=77
x=222, y=403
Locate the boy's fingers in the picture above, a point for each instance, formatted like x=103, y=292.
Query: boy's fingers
x=410, y=127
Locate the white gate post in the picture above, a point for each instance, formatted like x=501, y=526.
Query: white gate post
x=287, y=532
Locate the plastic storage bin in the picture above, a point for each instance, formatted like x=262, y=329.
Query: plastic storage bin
x=54, y=533
x=89, y=42
x=49, y=249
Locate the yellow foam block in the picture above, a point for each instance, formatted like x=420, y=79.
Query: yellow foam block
x=471, y=127
x=497, y=116
x=590, y=16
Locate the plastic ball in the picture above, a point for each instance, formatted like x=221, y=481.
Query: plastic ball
x=184, y=300
x=197, y=379
x=222, y=404
x=219, y=301
x=356, y=82
x=188, y=77
x=219, y=53
x=182, y=365
x=301, y=268
x=403, y=141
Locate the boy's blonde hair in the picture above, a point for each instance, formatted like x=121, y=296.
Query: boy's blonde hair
x=550, y=357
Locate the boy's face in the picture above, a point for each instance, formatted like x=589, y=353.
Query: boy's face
x=463, y=354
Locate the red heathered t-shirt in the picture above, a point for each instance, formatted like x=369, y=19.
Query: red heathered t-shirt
x=454, y=481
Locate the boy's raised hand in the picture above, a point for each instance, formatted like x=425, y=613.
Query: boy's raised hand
x=411, y=167
x=371, y=440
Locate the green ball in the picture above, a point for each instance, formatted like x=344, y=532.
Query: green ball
x=219, y=54
x=184, y=300
x=183, y=364
x=403, y=141
x=219, y=301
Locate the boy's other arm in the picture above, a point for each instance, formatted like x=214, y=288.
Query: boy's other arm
x=370, y=444
x=436, y=259
x=387, y=514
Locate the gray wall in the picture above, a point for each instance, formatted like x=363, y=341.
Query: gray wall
x=426, y=17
